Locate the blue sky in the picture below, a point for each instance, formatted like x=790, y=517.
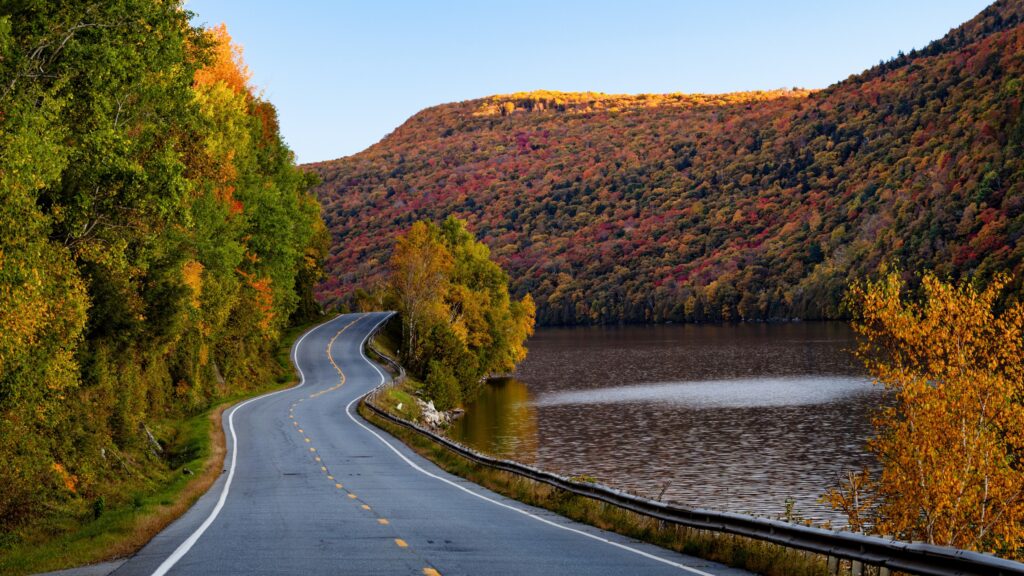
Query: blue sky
x=343, y=74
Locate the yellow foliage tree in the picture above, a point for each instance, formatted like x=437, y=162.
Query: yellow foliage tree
x=420, y=267
x=951, y=444
x=459, y=324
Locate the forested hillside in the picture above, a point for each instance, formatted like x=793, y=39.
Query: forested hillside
x=748, y=206
x=155, y=239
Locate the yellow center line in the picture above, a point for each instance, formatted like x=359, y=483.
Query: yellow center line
x=312, y=449
x=323, y=468
x=401, y=543
x=329, y=477
x=430, y=572
x=352, y=496
x=330, y=358
x=338, y=486
x=383, y=521
x=366, y=506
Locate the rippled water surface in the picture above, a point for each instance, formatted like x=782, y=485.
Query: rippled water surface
x=737, y=418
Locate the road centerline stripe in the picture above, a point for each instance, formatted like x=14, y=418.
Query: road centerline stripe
x=189, y=542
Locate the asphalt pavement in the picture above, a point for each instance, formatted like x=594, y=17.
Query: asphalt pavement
x=309, y=487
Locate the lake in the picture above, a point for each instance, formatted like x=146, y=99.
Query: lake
x=737, y=418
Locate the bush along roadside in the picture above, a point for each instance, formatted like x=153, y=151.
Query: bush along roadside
x=188, y=456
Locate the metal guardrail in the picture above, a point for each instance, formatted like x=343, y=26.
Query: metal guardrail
x=910, y=558
x=393, y=364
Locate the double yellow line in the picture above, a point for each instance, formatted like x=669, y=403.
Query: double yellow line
x=341, y=374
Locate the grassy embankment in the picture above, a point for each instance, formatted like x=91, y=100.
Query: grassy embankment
x=151, y=502
x=759, y=557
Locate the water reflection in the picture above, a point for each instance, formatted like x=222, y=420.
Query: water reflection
x=501, y=421
x=733, y=393
x=736, y=418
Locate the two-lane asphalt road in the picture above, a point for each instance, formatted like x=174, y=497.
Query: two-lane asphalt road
x=311, y=488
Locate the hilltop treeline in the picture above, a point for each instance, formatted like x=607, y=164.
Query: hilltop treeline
x=751, y=206
x=155, y=239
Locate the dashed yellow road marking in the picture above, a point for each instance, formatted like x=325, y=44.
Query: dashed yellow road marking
x=338, y=486
x=329, y=477
x=317, y=458
x=294, y=423
x=401, y=543
x=383, y=521
x=300, y=431
x=352, y=496
x=312, y=449
x=366, y=506
x=308, y=440
x=323, y=468
x=430, y=572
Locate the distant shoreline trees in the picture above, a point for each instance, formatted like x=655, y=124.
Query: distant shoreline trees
x=458, y=322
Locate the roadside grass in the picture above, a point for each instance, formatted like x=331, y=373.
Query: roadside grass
x=78, y=535
x=401, y=399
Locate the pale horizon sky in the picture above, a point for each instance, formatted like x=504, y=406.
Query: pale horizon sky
x=344, y=74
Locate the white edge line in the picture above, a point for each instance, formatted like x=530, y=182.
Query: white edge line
x=348, y=412
x=187, y=545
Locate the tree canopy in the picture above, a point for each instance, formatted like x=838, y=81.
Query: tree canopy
x=459, y=324
x=950, y=444
x=155, y=238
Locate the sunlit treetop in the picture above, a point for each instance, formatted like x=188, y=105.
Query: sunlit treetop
x=226, y=65
x=539, y=100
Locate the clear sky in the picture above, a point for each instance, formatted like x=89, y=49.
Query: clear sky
x=343, y=74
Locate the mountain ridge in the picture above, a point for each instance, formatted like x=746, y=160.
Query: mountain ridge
x=746, y=206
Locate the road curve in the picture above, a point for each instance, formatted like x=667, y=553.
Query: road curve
x=310, y=488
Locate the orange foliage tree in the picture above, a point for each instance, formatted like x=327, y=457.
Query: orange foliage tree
x=226, y=63
x=951, y=444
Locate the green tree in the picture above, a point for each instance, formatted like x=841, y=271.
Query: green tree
x=155, y=237
x=457, y=315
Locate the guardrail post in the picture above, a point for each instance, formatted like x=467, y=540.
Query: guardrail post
x=883, y=571
x=857, y=568
x=833, y=566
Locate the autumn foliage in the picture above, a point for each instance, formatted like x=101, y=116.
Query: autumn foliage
x=155, y=239
x=458, y=323
x=951, y=444
x=748, y=206
x=226, y=63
